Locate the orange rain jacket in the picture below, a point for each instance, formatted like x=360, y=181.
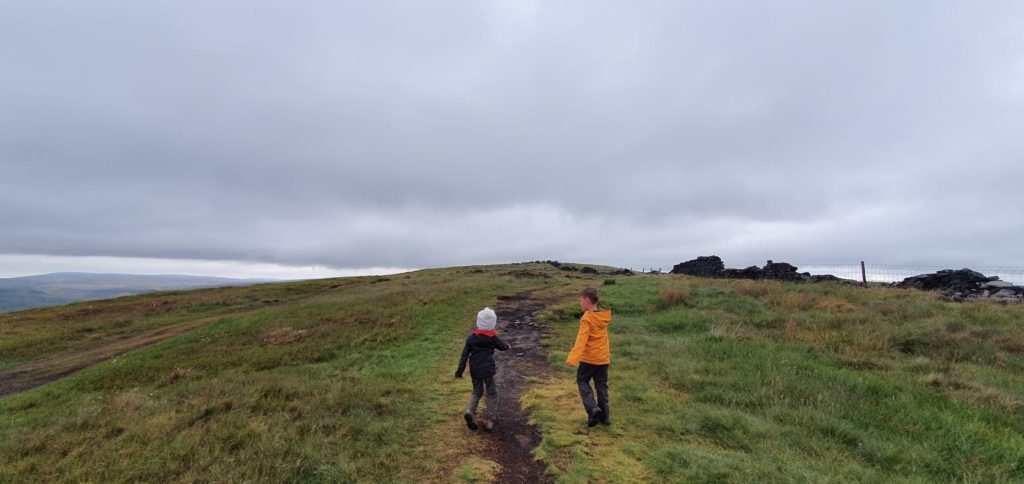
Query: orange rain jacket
x=592, y=341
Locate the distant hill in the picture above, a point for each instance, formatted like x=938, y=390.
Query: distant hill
x=28, y=292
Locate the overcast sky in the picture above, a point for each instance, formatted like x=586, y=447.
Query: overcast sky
x=330, y=137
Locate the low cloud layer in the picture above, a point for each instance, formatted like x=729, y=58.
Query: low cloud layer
x=419, y=134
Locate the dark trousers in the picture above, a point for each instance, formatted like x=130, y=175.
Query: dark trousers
x=480, y=387
x=598, y=373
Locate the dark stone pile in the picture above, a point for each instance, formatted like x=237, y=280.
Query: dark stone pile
x=707, y=266
x=961, y=280
x=712, y=266
x=587, y=269
x=782, y=271
x=965, y=285
x=752, y=272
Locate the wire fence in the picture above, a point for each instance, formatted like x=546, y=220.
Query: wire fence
x=896, y=273
x=893, y=273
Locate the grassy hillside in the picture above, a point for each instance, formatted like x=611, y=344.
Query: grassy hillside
x=327, y=381
x=741, y=381
x=350, y=380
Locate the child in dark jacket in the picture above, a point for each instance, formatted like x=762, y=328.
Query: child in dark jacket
x=479, y=352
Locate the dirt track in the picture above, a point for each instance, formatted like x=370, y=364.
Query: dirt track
x=515, y=438
x=33, y=374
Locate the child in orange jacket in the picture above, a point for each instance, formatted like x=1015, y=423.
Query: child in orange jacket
x=592, y=353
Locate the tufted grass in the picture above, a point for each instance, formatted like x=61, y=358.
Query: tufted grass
x=349, y=380
x=342, y=380
x=744, y=381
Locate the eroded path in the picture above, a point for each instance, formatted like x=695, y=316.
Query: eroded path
x=36, y=373
x=514, y=438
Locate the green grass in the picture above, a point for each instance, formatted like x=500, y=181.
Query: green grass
x=349, y=380
x=32, y=334
x=351, y=398
x=739, y=381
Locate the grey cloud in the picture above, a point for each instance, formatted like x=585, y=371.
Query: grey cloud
x=410, y=134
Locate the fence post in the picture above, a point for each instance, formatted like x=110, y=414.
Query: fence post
x=863, y=274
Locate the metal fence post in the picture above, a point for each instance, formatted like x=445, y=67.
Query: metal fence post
x=863, y=273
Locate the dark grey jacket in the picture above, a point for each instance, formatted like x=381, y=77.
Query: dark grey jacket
x=479, y=352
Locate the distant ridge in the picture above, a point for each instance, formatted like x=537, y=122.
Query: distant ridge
x=27, y=292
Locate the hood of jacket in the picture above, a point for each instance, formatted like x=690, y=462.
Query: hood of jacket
x=599, y=319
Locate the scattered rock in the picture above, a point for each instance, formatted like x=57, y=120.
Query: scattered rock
x=997, y=285
x=950, y=280
x=965, y=285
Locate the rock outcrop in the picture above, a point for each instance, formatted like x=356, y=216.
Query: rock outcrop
x=752, y=272
x=783, y=271
x=965, y=285
x=963, y=279
x=712, y=266
x=706, y=266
